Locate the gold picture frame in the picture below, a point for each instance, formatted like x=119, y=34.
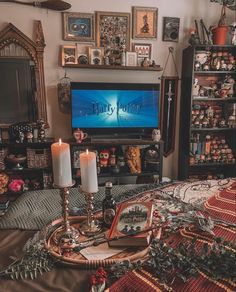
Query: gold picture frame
x=144, y=22
x=96, y=55
x=78, y=26
x=113, y=30
x=68, y=55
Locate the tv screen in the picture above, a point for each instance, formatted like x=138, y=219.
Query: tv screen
x=106, y=108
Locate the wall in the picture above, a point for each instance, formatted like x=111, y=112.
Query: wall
x=187, y=10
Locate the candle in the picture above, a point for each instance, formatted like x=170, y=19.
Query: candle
x=61, y=164
x=88, y=169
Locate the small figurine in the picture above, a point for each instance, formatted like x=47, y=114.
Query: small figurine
x=21, y=137
x=156, y=135
x=196, y=87
x=233, y=32
x=29, y=136
x=133, y=159
x=104, y=158
x=145, y=62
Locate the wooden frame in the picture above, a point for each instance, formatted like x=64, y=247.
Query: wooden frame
x=68, y=55
x=10, y=36
x=169, y=94
x=113, y=30
x=144, y=22
x=78, y=27
x=96, y=55
x=170, y=29
x=143, y=51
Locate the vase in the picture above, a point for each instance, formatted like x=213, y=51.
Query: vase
x=220, y=35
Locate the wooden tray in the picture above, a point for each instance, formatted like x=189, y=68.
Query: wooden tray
x=78, y=260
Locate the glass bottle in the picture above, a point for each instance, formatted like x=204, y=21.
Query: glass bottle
x=108, y=205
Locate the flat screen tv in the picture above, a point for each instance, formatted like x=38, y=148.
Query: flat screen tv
x=115, y=108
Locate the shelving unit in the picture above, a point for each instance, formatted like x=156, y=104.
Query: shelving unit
x=120, y=145
x=207, y=146
x=36, y=168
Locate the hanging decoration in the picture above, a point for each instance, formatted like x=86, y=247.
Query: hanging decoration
x=63, y=89
x=169, y=93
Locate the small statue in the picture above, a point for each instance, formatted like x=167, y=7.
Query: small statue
x=196, y=87
x=133, y=159
x=233, y=32
x=156, y=135
x=104, y=158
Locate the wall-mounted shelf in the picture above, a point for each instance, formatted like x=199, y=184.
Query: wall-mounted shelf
x=113, y=67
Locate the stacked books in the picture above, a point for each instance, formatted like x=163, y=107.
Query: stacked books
x=132, y=225
x=4, y=203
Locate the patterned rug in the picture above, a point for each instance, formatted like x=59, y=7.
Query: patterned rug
x=220, y=202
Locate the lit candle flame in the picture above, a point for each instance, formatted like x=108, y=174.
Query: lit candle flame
x=60, y=142
x=87, y=151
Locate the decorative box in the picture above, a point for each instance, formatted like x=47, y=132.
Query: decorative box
x=38, y=158
x=3, y=154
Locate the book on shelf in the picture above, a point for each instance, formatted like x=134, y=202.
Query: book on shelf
x=129, y=225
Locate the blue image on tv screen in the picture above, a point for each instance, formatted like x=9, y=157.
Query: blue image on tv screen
x=114, y=108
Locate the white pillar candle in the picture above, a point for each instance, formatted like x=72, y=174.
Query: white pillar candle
x=88, y=170
x=61, y=164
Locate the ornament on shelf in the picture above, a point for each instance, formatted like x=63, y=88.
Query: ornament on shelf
x=156, y=135
x=79, y=135
x=63, y=90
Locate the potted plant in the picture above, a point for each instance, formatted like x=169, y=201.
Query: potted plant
x=220, y=32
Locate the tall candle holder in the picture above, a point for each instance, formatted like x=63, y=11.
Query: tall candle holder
x=68, y=236
x=90, y=226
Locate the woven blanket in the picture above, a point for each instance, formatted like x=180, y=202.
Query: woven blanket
x=35, y=209
x=220, y=202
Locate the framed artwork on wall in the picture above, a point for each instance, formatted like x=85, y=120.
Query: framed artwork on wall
x=143, y=51
x=144, y=22
x=96, y=55
x=170, y=29
x=68, y=55
x=113, y=30
x=78, y=27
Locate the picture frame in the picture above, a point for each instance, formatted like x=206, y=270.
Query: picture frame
x=170, y=29
x=131, y=59
x=113, y=30
x=68, y=55
x=78, y=26
x=82, y=52
x=143, y=51
x=144, y=22
x=76, y=160
x=96, y=55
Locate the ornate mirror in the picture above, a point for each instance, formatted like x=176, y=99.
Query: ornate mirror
x=22, y=94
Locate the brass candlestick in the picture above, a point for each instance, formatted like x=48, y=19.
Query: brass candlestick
x=68, y=236
x=90, y=226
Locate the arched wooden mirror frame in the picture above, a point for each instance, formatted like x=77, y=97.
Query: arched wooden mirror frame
x=12, y=36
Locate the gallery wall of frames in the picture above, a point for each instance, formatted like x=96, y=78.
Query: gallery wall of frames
x=104, y=38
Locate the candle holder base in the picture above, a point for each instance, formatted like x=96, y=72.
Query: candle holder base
x=91, y=225
x=67, y=236
x=91, y=228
